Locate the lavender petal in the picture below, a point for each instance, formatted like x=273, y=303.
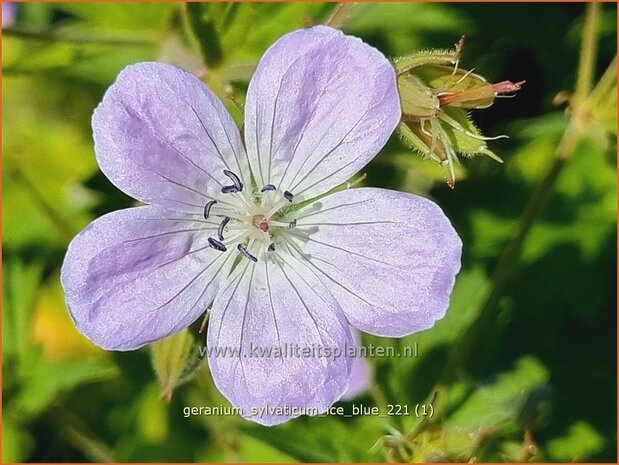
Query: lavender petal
x=389, y=258
x=137, y=275
x=319, y=107
x=266, y=305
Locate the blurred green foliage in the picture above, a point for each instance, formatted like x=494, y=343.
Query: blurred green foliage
x=539, y=382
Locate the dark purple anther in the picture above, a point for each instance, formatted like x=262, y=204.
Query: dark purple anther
x=207, y=208
x=245, y=253
x=214, y=243
x=235, y=179
x=229, y=189
x=222, y=226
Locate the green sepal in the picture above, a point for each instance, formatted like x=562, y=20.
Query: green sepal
x=415, y=139
x=425, y=57
x=175, y=360
x=418, y=100
x=429, y=56
x=465, y=137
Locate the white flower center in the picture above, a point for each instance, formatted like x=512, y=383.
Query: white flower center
x=251, y=222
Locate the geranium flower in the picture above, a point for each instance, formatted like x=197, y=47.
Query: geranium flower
x=246, y=227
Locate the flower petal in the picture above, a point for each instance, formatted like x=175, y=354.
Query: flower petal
x=137, y=275
x=163, y=137
x=320, y=106
x=271, y=305
x=389, y=258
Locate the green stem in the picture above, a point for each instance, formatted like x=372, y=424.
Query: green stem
x=604, y=87
x=77, y=434
x=588, y=52
x=340, y=14
x=203, y=26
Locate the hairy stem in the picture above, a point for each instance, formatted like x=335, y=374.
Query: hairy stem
x=588, y=51
x=340, y=14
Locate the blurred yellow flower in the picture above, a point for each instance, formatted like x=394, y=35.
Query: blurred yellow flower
x=53, y=329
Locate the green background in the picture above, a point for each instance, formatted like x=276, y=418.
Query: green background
x=539, y=363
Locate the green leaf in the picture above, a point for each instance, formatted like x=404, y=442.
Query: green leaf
x=272, y=20
x=152, y=416
x=581, y=443
x=254, y=450
x=202, y=20
x=36, y=14
x=499, y=401
x=17, y=442
x=322, y=439
x=237, y=25
x=73, y=57
x=131, y=17
x=45, y=161
x=19, y=289
x=469, y=291
x=385, y=17
x=41, y=380
x=583, y=210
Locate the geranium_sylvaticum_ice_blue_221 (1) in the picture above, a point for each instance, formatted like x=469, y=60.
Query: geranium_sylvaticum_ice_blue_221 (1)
x=253, y=228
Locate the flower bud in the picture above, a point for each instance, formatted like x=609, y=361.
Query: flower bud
x=174, y=361
x=435, y=96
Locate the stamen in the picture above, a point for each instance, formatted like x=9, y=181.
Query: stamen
x=245, y=253
x=268, y=187
x=214, y=243
x=292, y=224
x=207, y=208
x=288, y=196
x=235, y=179
x=271, y=247
x=222, y=225
x=229, y=189
x=279, y=204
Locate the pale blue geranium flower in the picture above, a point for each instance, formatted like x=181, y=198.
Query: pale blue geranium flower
x=245, y=227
